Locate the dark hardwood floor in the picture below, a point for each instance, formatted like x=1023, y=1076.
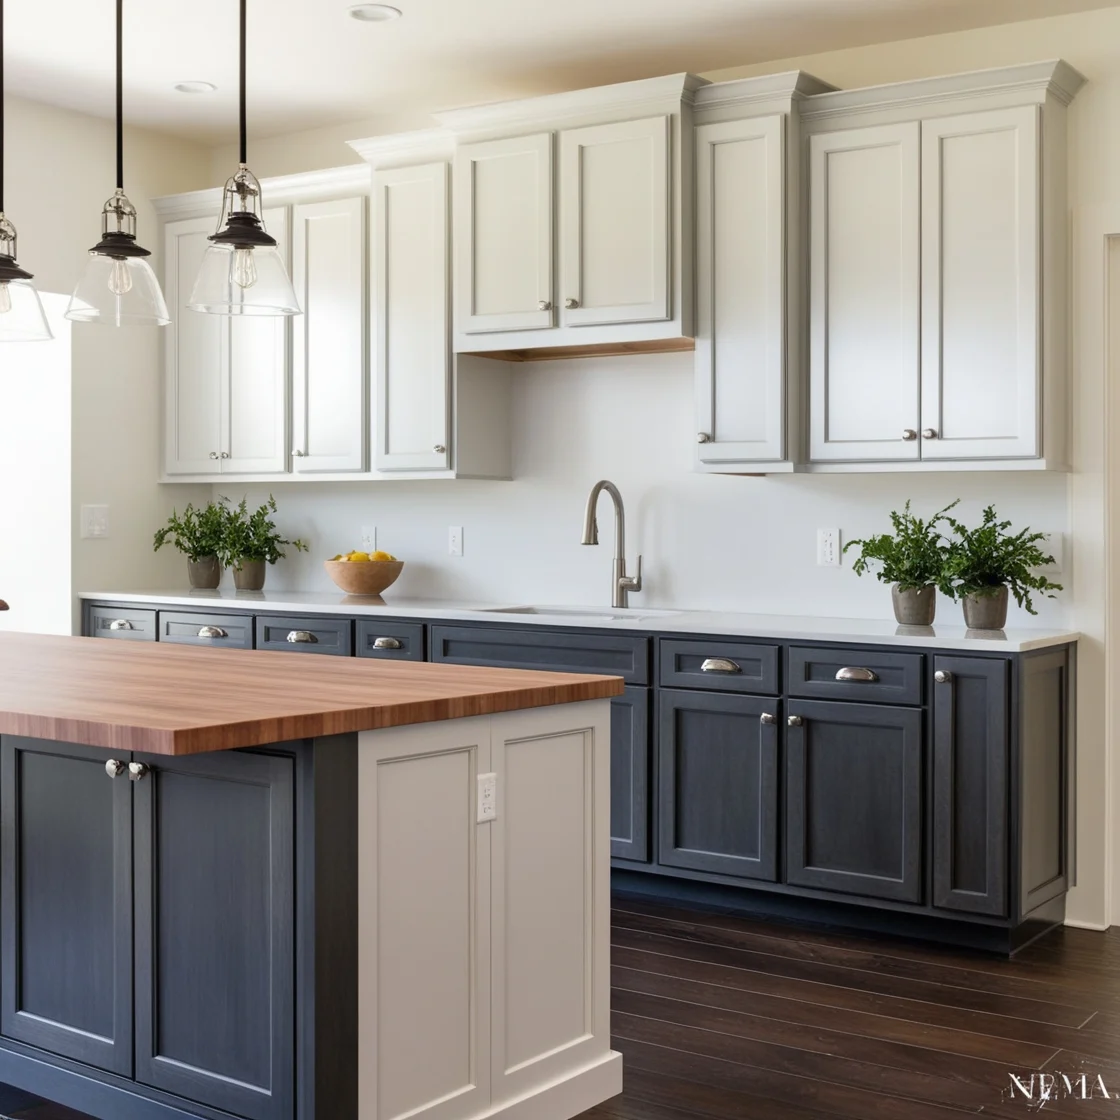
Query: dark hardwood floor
x=728, y=1017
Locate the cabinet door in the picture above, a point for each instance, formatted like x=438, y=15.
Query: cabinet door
x=718, y=778
x=197, y=358
x=864, y=220
x=255, y=394
x=630, y=792
x=740, y=283
x=981, y=285
x=215, y=920
x=424, y=923
x=503, y=234
x=66, y=918
x=412, y=351
x=615, y=241
x=970, y=776
x=328, y=339
x=854, y=799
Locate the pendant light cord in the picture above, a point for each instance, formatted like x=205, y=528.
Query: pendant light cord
x=120, y=95
x=244, y=145
x=1, y=106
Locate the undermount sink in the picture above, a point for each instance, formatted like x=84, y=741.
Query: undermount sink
x=606, y=614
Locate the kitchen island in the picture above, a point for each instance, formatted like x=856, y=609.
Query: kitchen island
x=241, y=884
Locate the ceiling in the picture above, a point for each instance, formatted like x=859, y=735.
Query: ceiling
x=311, y=65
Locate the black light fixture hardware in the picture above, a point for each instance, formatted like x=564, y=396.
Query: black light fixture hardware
x=22, y=318
x=118, y=287
x=243, y=272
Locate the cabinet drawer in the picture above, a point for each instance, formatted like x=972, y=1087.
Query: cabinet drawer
x=231, y=631
x=400, y=641
x=123, y=623
x=848, y=674
x=719, y=666
x=306, y=635
x=620, y=655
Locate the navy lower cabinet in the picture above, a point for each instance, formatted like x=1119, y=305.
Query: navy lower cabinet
x=854, y=799
x=630, y=775
x=718, y=774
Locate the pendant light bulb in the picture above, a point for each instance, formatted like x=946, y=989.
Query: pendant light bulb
x=5, y=298
x=244, y=268
x=118, y=287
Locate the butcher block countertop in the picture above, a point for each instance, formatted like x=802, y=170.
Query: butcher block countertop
x=176, y=700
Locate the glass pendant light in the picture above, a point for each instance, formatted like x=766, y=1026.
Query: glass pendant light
x=21, y=313
x=242, y=271
x=118, y=287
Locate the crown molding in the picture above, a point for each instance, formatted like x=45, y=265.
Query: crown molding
x=280, y=190
x=432, y=143
x=623, y=97
x=790, y=85
x=1053, y=77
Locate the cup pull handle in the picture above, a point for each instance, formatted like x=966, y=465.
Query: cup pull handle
x=387, y=643
x=719, y=665
x=865, y=676
x=121, y=624
x=212, y=632
x=304, y=636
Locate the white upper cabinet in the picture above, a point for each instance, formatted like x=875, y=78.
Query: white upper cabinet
x=864, y=301
x=328, y=351
x=412, y=355
x=980, y=285
x=503, y=210
x=614, y=223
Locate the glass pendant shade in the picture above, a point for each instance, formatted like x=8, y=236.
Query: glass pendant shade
x=242, y=272
x=22, y=318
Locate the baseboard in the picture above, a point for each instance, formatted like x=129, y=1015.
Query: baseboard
x=1095, y=926
x=567, y=1096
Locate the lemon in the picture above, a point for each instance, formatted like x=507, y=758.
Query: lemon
x=381, y=555
x=356, y=557
x=338, y=557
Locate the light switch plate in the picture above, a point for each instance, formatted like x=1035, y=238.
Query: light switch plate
x=95, y=522
x=1055, y=545
x=487, y=797
x=369, y=538
x=455, y=540
x=828, y=548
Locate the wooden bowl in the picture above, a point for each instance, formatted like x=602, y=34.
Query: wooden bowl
x=365, y=577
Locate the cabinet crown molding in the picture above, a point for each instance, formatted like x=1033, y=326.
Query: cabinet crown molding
x=280, y=190
x=765, y=90
x=425, y=143
x=624, y=98
x=1053, y=77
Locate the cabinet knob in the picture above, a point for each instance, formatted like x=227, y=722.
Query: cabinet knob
x=387, y=643
x=137, y=771
x=114, y=768
x=212, y=632
x=544, y=305
x=703, y=437
x=571, y=304
x=121, y=624
x=909, y=434
x=767, y=717
x=213, y=454
x=224, y=455
x=299, y=454
x=439, y=449
x=301, y=636
x=795, y=721
x=942, y=677
x=929, y=433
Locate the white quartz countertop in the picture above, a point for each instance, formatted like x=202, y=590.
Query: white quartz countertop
x=864, y=631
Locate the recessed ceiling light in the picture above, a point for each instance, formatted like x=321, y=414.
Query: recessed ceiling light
x=195, y=87
x=374, y=13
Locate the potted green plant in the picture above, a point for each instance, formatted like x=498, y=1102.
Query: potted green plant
x=910, y=559
x=251, y=541
x=200, y=535
x=984, y=564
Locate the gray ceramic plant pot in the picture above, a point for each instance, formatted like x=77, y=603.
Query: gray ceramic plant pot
x=914, y=606
x=205, y=573
x=986, y=612
x=250, y=576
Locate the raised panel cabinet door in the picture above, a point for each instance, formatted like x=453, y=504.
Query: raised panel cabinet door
x=740, y=285
x=854, y=799
x=66, y=913
x=981, y=285
x=423, y=923
x=255, y=395
x=630, y=774
x=718, y=779
x=412, y=349
x=970, y=784
x=864, y=271
x=215, y=930
x=503, y=234
x=615, y=241
x=196, y=358
x=328, y=339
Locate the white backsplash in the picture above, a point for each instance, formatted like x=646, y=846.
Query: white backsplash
x=709, y=542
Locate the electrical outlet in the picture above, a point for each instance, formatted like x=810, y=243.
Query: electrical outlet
x=455, y=540
x=1054, y=545
x=369, y=538
x=95, y=521
x=828, y=548
x=487, y=797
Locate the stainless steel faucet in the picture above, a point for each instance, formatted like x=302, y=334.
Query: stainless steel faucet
x=621, y=583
